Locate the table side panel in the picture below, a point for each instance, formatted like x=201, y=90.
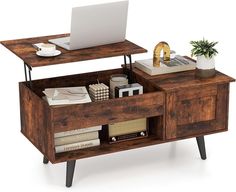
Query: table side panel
x=222, y=108
x=36, y=121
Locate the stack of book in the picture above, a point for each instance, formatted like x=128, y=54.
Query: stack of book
x=77, y=139
x=67, y=95
x=177, y=64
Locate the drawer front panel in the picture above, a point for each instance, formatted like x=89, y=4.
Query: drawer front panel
x=194, y=112
x=195, y=128
x=109, y=111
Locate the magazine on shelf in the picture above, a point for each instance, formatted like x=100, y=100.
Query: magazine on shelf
x=67, y=95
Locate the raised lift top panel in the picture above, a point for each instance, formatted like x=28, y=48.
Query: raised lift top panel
x=23, y=48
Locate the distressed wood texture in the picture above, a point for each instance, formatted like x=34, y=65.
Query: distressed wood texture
x=182, y=80
x=200, y=114
x=48, y=120
x=23, y=48
x=177, y=106
x=99, y=113
x=106, y=148
x=170, y=115
x=156, y=127
x=109, y=111
x=173, y=113
x=196, y=105
x=36, y=122
x=196, y=110
x=192, y=106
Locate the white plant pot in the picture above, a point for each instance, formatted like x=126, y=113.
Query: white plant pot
x=205, y=63
x=205, y=67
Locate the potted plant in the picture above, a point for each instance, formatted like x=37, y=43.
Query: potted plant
x=205, y=52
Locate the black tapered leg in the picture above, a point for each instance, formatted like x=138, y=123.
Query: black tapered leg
x=70, y=167
x=45, y=160
x=201, y=147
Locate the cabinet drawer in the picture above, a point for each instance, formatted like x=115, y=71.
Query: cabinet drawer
x=196, y=111
x=109, y=111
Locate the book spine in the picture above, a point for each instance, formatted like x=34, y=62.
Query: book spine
x=77, y=131
x=79, y=145
x=76, y=138
x=142, y=68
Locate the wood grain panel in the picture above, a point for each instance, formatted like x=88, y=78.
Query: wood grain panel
x=222, y=107
x=171, y=115
x=23, y=48
x=156, y=127
x=182, y=80
x=209, y=90
x=109, y=111
x=195, y=129
x=40, y=121
x=106, y=148
x=200, y=112
x=36, y=121
x=196, y=110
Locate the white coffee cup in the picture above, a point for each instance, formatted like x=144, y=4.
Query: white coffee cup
x=48, y=48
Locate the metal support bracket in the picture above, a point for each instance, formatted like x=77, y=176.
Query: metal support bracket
x=130, y=75
x=28, y=78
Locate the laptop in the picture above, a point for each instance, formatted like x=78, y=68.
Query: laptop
x=95, y=25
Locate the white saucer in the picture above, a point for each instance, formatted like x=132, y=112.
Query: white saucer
x=42, y=54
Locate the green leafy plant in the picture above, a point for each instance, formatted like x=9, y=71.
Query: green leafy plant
x=203, y=47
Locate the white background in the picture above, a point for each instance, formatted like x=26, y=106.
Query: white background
x=168, y=167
